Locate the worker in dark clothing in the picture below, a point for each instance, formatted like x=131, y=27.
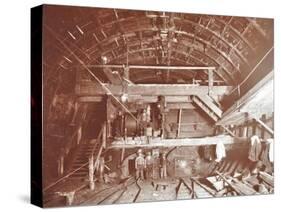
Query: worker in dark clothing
x=148, y=166
x=163, y=166
x=140, y=165
x=155, y=167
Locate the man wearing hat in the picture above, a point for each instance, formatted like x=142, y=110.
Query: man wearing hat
x=148, y=165
x=140, y=165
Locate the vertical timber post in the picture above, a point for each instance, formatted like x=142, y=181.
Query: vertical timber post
x=104, y=136
x=245, y=130
x=91, y=173
x=122, y=155
x=179, y=122
x=75, y=113
x=79, y=134
x=263, y=119
x=61, y=162
x=61, y=165
x=193, y=189
x=210, y=81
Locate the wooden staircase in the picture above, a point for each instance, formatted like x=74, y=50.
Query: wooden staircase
x=77, y=177
x=82, y=158
x=208, y=105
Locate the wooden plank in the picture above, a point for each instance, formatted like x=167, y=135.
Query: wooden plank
x=157, y=142
x=210, y=80
x=90, y=98
x=244, y=188
x=173, y=102
x=205, y=108
x=239, y=187
x=206, y=188
x=175, y=89
x=208, y=101
x=90, y=88
x=235, y=118
x=179, y=123
x=267, y=178
x=155, y=67
x=180, y=105
x=153, y=99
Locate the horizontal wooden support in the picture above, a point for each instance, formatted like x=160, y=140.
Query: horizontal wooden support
x=157, y=142
x=90, y=98
x=175, y=101
x=90, y=88
x=154, y=99
x=155, y=67
x=180, y=105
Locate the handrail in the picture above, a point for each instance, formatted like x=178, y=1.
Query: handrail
x=70, y=142
x=69, y=174
x=100, y=150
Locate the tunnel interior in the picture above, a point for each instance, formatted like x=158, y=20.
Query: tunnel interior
x=120, y=83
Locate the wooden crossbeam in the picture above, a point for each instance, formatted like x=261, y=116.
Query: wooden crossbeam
x=154, y=67
x=90, y=88
x=174, y=102
x=156, y=142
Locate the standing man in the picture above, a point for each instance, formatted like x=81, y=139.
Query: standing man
x=140, y=165
x=163, y=166
x=148, y=166
x=155, y=166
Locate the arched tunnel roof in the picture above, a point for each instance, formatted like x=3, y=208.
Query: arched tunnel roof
x=234, y=45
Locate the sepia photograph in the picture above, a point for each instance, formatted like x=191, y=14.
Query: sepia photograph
x=146, y=106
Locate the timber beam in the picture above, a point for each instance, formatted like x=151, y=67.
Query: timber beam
x=155, y=142
x=85, y=88
x=154, y=67
x=176, y=102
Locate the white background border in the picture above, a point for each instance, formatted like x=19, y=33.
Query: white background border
x=15, y=103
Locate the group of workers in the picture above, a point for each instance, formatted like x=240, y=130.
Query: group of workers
x=150, y=167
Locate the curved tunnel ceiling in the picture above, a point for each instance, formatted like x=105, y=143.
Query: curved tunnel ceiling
x=234, y=45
